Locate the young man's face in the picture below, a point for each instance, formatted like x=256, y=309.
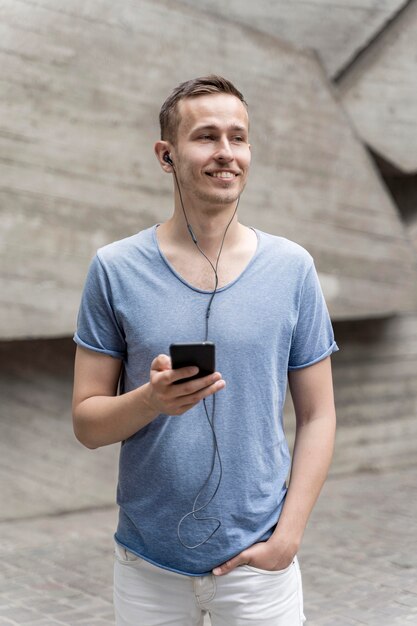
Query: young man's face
x=212, y=152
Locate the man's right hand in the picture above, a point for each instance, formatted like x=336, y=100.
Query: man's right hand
x=165, y=397
x=102, y=417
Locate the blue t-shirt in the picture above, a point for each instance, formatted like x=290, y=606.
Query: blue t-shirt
x=272, y=318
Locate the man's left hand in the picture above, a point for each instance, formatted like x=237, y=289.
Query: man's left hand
x=262, y=555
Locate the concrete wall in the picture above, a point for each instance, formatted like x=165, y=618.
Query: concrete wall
x=80, y=92
x=379, y=93
x=336, y=29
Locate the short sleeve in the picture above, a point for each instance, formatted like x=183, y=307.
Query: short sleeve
x=313, y=338
x=97, y=326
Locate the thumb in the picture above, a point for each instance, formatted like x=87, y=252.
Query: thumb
x=230, y=565
x=161, y=362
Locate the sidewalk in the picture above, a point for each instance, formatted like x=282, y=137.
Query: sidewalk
x=359, y=559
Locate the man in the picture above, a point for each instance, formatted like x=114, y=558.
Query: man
x=206, y=521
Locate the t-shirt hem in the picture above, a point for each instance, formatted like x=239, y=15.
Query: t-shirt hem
x=165, y=567
x=264, y=537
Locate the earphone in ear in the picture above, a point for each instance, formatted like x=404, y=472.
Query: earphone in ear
x=168, y=159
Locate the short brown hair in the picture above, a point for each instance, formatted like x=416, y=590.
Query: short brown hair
x=169, y=117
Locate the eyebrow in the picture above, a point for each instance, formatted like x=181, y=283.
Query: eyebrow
x=238, y=127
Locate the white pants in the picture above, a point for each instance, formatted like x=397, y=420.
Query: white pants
x=146, y=595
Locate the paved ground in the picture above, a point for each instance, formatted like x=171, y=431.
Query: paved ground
x=359, y=559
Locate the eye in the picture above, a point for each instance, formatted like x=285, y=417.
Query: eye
x=207, y=137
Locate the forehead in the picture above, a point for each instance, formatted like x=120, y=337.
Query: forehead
x=222, y=110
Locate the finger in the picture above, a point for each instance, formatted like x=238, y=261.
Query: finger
x=194, y=398
x=197, y=384
x=188, y=401
x=161, y=362
x=184, y=372
x=230, y=565
x=185, y=402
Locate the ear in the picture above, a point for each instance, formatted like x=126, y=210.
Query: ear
x=161, y=148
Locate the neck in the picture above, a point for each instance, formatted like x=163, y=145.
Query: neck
x=208, y=225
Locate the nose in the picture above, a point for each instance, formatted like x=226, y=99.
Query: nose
x=224, y=151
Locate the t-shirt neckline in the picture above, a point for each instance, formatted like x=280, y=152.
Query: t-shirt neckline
x=193, y=287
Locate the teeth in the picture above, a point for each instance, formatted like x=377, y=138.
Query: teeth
x=223, y=175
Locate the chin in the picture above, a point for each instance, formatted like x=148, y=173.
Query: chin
x=225, y=197
x=223, y=200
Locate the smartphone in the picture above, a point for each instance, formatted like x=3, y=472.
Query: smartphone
x=200, y=354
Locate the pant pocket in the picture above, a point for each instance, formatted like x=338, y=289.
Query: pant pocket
x=124, y=556
x=300, y=591
x=278, y=572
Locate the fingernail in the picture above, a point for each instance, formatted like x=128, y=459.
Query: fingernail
x=217, y=571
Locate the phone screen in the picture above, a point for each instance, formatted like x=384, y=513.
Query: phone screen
x=200, y=354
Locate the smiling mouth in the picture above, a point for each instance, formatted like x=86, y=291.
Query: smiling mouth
x=222, y=175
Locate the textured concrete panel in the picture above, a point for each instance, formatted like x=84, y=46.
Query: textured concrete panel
x=380, y=93
x=375, y=380
x=413, y=232
x=43, y=469
x=80, y=92
x=336, y=29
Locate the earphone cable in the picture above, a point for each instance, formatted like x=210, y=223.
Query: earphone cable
x=216, y=452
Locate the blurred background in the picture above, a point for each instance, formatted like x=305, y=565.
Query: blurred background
x=332, y=94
